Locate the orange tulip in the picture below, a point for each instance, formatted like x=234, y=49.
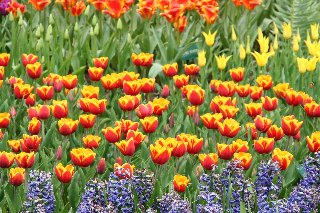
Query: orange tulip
x=34, y=70
x=264, y=81
x=96, y=106
x=90, y=92
x=160, y=105
x=29, y=59
x=244, y=158
x=128, y=76
x=4, y=120
x=84, y=104
x=39, y=4
x=101, y=62
x=4, y=58
x=147, y=8
x=218, y=101
x=13, y=8
x=196, y=96
x=251, y=4
x=194, y=144
x=229, y=128
x=16, y=176
x=34, y=126
x=253, y=109
x=181, y=80
x=170, y=70
x=180, y=183
x=22, y=90
x=82, y=157
x=128, y=125
x=149, y=124
x=312, y=109
x=111, y=81
x=30, y=100
x=228, y=111
x=160, y=154
x=115, y=9
x=211, y=120
x=313, y=142
x=290, y=125
x=283, y=158
x=142, y=59
x=78, y=8
x=225, y=151
x=137, y=137
x=128, y=102
x=148, y=85
x=144, y=110
x=30, y=143
x=180, y=24
x=87, y=120
x=91, y=141
x=264, y=145
x=209, y=12
x=191, y=110
x=6, y=159
x=67, y=126
x=126, y=147
x=64, y=173
x=226, y=88
x=269, y=104
x=191, y=69
x=95, y=73
x=293, y=97
x=243, y=90
x=262, y=124
x=275, y=132
x=123, y=171
x=237, y=74
x=45, y=92
x=240, y=146
x=132, y=87
x=255, y=92
x=14, y=145
x=208, y=160
x=112, y=135
x=280, y=89
x=25, y=160
x=60, y=109
x=70, y=81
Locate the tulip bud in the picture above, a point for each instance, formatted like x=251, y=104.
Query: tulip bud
x=119, y=24
x=13, y=112
x=49, y=29
x=39, y=44
x=20, y=23
x=76, y=27
x=119, y=161
x=96, y=29
x=66, y=34
x=166, y=128
x=129, y=39
x=196, y=117
x=94, y=20
x=171, y=120
x=248, y=48
x=165, y=91
x=11, y=18
x=51, y=20
x=42, y=60
x=48, y=37
x=59, y=153
x=87, y=11
x=38, y=32
x=91, y=31
x=101, y=167
x=41, y=28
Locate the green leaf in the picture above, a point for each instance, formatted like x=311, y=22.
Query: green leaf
x=49, y=134
x=74, y=191
x=155, y=69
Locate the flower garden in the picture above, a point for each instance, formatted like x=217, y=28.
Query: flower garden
x=159, y=106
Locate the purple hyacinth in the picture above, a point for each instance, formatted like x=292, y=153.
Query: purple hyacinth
x=172, y=203
x=143, y=184
x=40, y=196
x=93, y=198
x=4, y=4
x=119, y=193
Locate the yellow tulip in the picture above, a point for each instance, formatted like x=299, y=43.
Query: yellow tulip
x=242, y=52
x=233, y=34
x=308, y=37
x=222, y=61
x=202, y=58
x=275, y=29
x=263, y=43
x=287, y=30
x=298, y=35
x=295, y=45
x=313, y=48
x=314, y=31
x=302, y=65
x=312, y=64
x=209, y=38
x=275, y=43
x=261, y=58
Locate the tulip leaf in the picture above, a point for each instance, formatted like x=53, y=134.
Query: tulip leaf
x=49, y=134
x=155, y=69
x=74, y=191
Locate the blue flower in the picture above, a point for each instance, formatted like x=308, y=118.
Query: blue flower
x=143, y=184
x=172, y=203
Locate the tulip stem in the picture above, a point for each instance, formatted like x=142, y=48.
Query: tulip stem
x=43, y=130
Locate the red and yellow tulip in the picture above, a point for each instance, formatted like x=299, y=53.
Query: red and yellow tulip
x=25, y=160
x=91, y=141
x=208, y=160
x=16, y=176
x=126, y=147
x=244, y=158
x=6, y=159
x=290, y=125
x=82, y=157
x=313, y=142
x=67, y=126
x=64, y=173
x=283, y=158
x=225, y=151
x=229, y=128
x=264, y=145
x=180, y=183
x=142, y=59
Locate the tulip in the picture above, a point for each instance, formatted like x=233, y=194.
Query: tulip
x=90, y=92
x=78, y=8
x=202, y=58
x=262, y=124
x=149, y=124
x=127, y=125
x=312, y=64
x=283, y=158
x=96, y=106
x=39, y=4
x=240, y=146
x=253, y=130
x=211, y=120
x=116, y=9
x=191, y=69
x=70, y=81
x=160, y=105
x=60, y=109
x=29, y=59
x=209, y=38
x=101, y=167
x=4, y=119
x=14, y=145
x=222, y=61
x=180, y=148
x=67, y=126
x=22, y=90
x=264, y=81
x=226, y=88
x=144, y=110
x=64, y=173
x=218, y=101
x=123, y=171
x=264, y=145
x=148, y=85
x=209, y=12
x=142, y=59
x=181, y=80
x=280, y=89
x=261, y=58
x=208, y=161
x=34, y=126
x=263, y=43
x=244, y=158
x=313, y=142
x=128, y=102
x=111, y=81
x=253, y=109
x=45, y=92
x=275, y=132
x=225, y=151
x=101, y=62
x=1, y=72
x=30, y=100
x=269, y=104
x=112, y=135
x=147, y=8
x=242, y=90
x=6, y=159
x=160, y=154
x=4, y=59
x=180, y=183
x=82, y=157
x=87, y=120
x=295, y=44
x=170, y=70
x=255, y=92
x=287, y=30
x=59, y=153
x=312, y=109
x=229, y=128
x=95, y=73
x=233, y=34
x=14, y=80
x=16, y=176
x=165, y=92
x=314, y=31
x=132, y=87
x=196, y=96
x=290, y=125
x=25, y=160
x=126, y=147
x=228, y=111
x=293, y=98
x=237, y=74
x=137, y=137
x=30, y=143
x=91, y=141
x=34, y=70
